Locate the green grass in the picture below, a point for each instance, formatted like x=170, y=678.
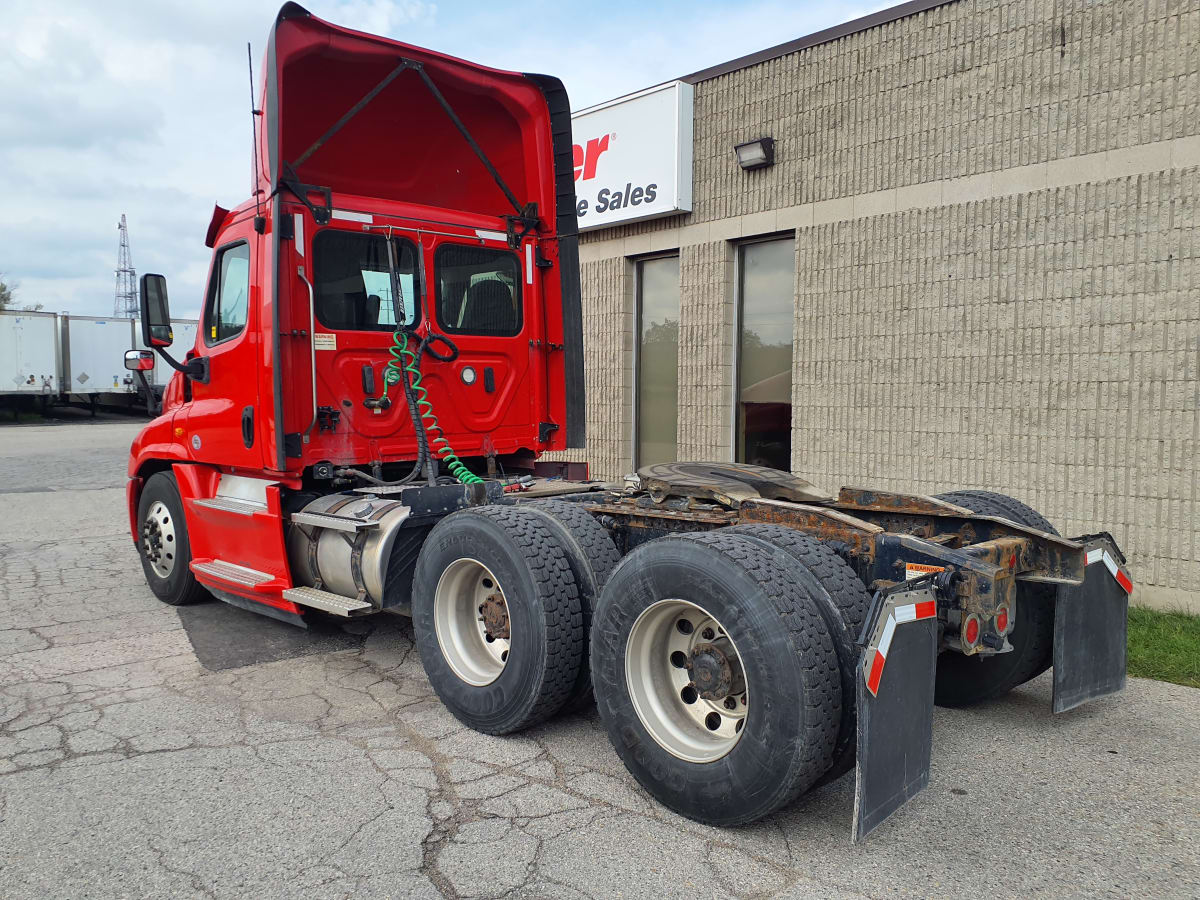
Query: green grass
x=1164, y=646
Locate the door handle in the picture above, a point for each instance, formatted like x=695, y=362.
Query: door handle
x=248, y=427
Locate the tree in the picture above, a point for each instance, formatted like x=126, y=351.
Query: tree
x=6, y=297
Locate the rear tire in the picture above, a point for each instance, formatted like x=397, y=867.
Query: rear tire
x=163, y=545
x=519, y=667
x=733, y=595
x=967, y=680
x=592, y=556
x=836, y=592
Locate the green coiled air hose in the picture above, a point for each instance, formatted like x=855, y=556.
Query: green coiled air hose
x=404, y=360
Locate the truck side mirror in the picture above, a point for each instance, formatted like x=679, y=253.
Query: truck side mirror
x=139, y=360
x=156, y=313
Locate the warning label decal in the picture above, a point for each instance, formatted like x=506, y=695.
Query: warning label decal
x=917, y=570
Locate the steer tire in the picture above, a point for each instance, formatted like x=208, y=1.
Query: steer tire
x=967, y=680
x=792, y=686
x=836, y=592
x=592, y=556
x=543, y=618
x=179, y=586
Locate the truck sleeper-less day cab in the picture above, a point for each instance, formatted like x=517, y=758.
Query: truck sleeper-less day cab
x=391, y=338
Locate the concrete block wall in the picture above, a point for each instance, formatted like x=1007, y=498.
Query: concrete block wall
x=994, y=205
x=1043, y=344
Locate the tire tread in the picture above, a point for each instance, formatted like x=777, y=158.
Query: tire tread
x=592, y=555
x=843, y=608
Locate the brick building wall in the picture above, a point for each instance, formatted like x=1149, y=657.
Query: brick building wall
x=995, y=212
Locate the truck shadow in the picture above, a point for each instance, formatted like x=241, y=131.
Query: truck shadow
x=226, y=637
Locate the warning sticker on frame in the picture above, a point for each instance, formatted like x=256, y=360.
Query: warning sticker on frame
x=324, y=341
x=919, y=570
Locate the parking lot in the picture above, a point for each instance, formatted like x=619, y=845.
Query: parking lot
x=205, y=751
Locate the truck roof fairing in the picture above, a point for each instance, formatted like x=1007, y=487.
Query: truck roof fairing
x=401, y=144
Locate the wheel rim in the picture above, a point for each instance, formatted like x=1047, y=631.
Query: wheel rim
x=158, y=539
x=470, y=617
x=686, y=680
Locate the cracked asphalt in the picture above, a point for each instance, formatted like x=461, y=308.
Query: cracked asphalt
x=148, y=752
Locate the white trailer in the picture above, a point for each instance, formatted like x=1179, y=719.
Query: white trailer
x=29, y=358
x=93, y=357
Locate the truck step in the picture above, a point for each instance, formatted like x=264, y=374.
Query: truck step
x=324, y=600
x=337, y=523
x=231, y=572
x=231, y=504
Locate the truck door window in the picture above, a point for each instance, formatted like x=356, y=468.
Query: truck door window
x=478, y=290
x=229, y=291
x=352, y=288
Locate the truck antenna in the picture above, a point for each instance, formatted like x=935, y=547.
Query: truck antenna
x=260, y=222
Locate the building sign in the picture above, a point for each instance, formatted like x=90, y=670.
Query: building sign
x=633, y=157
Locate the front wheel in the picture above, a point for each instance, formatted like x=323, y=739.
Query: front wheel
x=162, y=540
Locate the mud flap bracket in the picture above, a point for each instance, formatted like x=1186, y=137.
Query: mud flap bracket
x=1090, y=628
x=895, y=704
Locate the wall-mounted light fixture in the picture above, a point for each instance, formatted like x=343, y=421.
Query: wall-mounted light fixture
x=756, y=154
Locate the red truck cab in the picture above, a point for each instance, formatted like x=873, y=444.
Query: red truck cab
x=389, y=181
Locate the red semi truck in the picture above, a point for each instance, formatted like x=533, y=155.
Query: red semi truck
x=391, y=339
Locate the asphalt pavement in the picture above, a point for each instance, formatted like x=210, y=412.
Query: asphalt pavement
x=147, y=751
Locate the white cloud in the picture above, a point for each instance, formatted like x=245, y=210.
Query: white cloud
x=143, y=108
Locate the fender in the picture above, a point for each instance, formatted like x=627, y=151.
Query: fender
x=154, y=449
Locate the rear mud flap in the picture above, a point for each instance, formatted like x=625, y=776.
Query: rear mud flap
x=1090, y=628
x=895, y=705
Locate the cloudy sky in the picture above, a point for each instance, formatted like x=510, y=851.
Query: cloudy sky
x=142, y=108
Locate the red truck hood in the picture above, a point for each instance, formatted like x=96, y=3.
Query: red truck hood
x=400, y=145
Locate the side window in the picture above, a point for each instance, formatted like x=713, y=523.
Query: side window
x=352, y=287
x=478, y=290
x=229, y=295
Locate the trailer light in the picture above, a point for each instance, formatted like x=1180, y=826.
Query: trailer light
x=1002, y=619
x=971, y=630
x=468, y=375
x=756, y=154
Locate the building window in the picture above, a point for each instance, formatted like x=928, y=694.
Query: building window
x=656, y=390
x=766, y=289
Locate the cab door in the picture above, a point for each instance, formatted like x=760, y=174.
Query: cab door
x=223, y=415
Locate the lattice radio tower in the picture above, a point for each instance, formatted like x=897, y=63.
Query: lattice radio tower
x=126, y=303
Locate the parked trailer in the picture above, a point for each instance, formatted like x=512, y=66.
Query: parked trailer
x=92, y=350
x=29, y=353
x=394, y=328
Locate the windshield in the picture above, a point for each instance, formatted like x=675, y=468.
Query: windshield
x=352, y=288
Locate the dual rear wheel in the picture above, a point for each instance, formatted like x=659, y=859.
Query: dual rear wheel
x=716, y=657
x=723, y=663
x=502, y=600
